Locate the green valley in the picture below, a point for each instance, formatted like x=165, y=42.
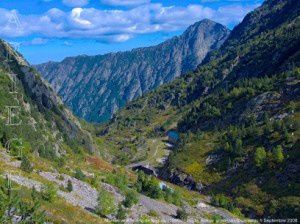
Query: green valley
x=219, y=144
x=242, y=100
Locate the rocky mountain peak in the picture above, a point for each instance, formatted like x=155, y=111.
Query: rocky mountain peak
x=202, y=25
x=95, y=87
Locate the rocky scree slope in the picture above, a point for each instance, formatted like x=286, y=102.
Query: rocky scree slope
x=95, y=87
x=84, y=198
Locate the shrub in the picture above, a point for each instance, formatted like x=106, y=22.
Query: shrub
x=47, y=153
x=153, y=213
x=26, y=165
x=172, y=196
x=181, y=214
x=144, y=220
x=106, y=204
x=278, y=154
x=60, y=162
x=216, y=218
x=260, y=156
x=34, y=194
x=79, y=174
x=119, y=180
x=286, y=136
x=154, y=189
x=222, y=201
x=131, y=199
x=237, y=212
x=49, y=193
x=148, y=185
x=238, y=147
x=70, y=186
x=60, y=177
x=228, y=147
x=121, y=213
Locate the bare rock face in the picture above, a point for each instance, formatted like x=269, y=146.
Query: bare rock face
x=95, y=87
x=268, y=101
x=182, y=179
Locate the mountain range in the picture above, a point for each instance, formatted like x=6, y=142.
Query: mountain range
x=237, y=117
x=95, y=87
x=223, y=140
x=50, y=168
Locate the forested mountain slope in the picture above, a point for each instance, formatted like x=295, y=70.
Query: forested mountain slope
x=237, y=116
x=95, y=87
x=32, y=112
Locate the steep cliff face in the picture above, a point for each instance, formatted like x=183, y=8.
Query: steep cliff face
x=96, y=87
x=31, y=110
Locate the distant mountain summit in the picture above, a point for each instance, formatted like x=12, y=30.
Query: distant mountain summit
x=95, y=87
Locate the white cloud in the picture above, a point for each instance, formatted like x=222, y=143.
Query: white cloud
x=114, y=24
x=118, y=38
x=125, y=2
x=76, y=3
x=173, y=18
x=76, y=17
x=121, y=38
x=38, y=41
x=34, y=41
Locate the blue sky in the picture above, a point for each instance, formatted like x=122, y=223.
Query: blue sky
x=44, y=30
